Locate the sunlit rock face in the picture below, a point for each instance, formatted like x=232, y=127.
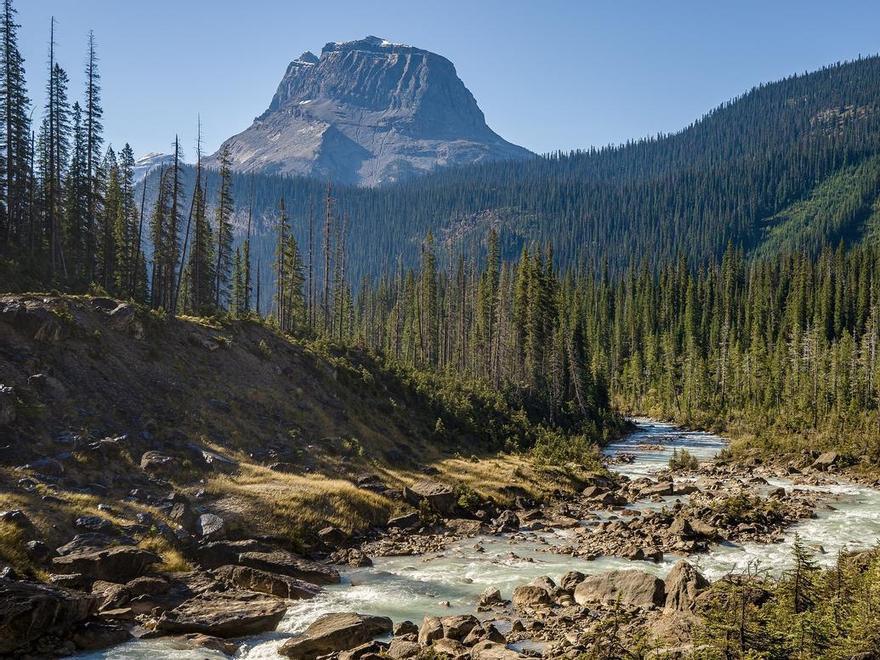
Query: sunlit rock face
x=368, y=112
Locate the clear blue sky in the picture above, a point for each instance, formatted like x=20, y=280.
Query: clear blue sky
x=547, y=74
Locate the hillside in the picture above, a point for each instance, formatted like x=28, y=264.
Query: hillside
x=728, y=177
x=107, y=408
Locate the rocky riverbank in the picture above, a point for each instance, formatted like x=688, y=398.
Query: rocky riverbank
x=103, y=587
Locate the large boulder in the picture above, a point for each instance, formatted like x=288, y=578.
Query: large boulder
x=683, y=584
x=331, y=633
x=291, y=565
x=95, y=635
x=631, y=587
x=29, y=610
x=438, y=496
x=660, y=488
x=827, y=460
x=225, y=614
x=264, y=582
x=530, y=596
x=116, y=564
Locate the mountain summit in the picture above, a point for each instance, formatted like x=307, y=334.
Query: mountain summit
x=369, y=112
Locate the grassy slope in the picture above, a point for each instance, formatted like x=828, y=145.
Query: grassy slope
x=245, y=391
x=843, y=207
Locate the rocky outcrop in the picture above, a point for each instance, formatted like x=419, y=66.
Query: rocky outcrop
x=29, y=611
x=368, y=112
x=225, y=614
x=635, y=588
x=682, y=585
x=116, y=564
x=264, y=582
x=438, y=496
x=331, y=633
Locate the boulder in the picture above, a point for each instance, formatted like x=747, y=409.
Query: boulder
x=571, y=580
x=224, y=614
x=439, y=497
x=153, y=462
x=374, y=650
x=450, y=647
x=332, y=536
x=253, y=579
x=406, y=521
x=210, y=527
x=631, y=587
x=489, y=650
x=491, y=596
x=508, y=521
x=531, y=596
x=402, y=648
x=90, y=541
x=683, y=584
x=331, y=633
x=95, y=525
x=116, y=564
x=458, y=627
x=405, y=628
x=660, y=488
x=201, y=641
x=826, y=460
x=291, y=565
x=29, y=610
x=217, y=553
x=95, y=635
x=431, y=629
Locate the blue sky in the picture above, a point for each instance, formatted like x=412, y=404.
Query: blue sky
x=548, y=75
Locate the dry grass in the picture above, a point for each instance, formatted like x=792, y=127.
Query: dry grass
x=293, y=506
x=172, y=560
x=12, y=547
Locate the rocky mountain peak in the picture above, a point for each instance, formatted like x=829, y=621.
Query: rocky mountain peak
x=369, y=111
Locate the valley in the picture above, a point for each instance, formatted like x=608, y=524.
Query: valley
x=366, y=380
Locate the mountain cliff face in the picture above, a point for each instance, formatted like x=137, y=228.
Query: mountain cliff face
x=368, y=112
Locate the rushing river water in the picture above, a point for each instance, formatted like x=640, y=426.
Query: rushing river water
x=450, y=581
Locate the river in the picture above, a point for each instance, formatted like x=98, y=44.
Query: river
x=450, y=581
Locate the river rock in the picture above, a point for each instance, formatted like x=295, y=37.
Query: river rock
x=660, y=488
x=331, y=633
x=253, y=579
x=405, y=628
x=439, y=497
x=631, y=587
x=29, y=611
x=406, y=521
x=431, y=629
x=225, y=614
x=827, y=460
x=291, y=565
x=332, y=536
x=200, y=641
x=116, y=564
x=571, y=580
x=402, y=648
x=682, y=585
x=530, y=596
x=450, y=647
x=95, y=635
x=489, y=650
x=490, y=596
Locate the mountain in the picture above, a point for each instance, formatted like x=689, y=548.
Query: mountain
x=368, y=112
x=786, y=166
x=145, y=164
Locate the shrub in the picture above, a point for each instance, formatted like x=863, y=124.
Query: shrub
x=682, y=459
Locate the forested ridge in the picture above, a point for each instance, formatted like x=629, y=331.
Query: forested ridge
x=726, y=274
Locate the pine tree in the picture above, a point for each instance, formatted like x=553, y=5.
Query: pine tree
x=94, y=140
x=15, y=120
x=223, y=222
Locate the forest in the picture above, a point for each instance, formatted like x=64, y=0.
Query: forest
x=752, y=304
